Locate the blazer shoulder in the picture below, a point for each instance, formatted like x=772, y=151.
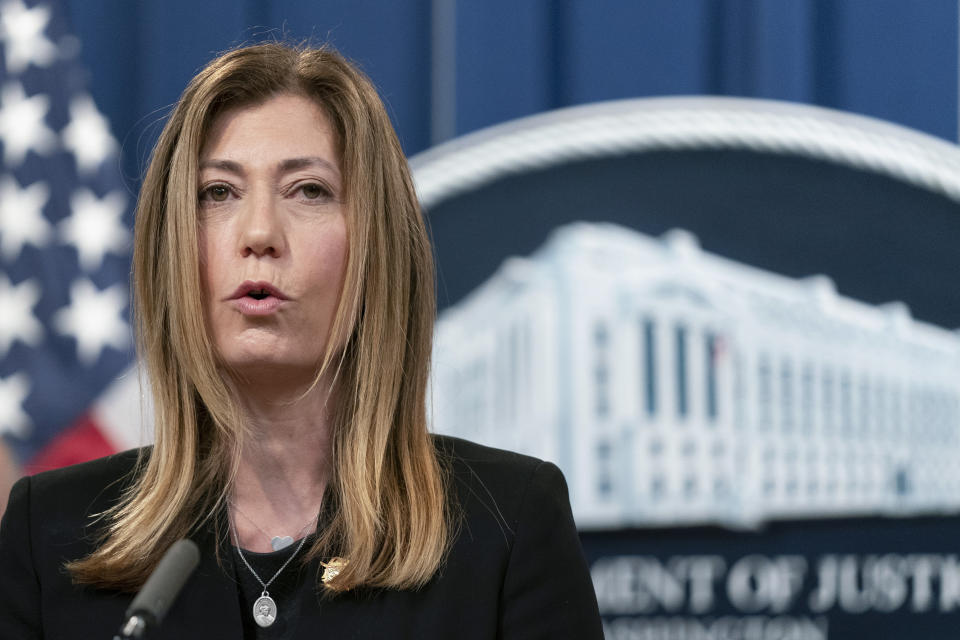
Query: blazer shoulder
x=89, y=486
x=459, y=450
x=496, y=486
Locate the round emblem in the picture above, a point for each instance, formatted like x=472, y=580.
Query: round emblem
x=265, y=611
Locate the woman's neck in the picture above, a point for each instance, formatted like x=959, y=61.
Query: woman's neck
x=284, y=464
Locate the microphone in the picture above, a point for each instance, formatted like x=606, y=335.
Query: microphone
x=148, y=608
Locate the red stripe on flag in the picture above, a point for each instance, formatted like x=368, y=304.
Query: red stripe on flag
x=82, y=441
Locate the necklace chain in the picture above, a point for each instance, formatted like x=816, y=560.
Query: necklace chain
x=266, y=584
x=237, y=509
x=265, y=607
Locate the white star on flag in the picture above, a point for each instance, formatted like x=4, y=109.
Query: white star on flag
x=13, y=391
x=94, y=318
x=22, y=125
x=17, y=321
x=88, y=135
x=23, y=31
x=64, y=247
x=95, y=226
x=21, y=216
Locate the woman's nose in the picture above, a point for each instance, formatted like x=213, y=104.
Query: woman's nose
x=261, y=232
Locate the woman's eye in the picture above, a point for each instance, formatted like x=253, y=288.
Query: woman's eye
x=218, y=193
x=312, y=191
x=215, y=193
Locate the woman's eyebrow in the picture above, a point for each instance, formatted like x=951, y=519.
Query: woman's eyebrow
x=225, y=165
x=293, y=164
x=284, y=166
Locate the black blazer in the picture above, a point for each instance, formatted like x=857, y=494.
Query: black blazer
x=515, y=570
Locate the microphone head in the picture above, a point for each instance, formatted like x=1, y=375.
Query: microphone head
x=163, y=585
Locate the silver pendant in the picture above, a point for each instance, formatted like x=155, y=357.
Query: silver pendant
x=280, y=542
x=265, y=610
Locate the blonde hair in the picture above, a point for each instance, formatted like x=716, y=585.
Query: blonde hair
x=387, y=497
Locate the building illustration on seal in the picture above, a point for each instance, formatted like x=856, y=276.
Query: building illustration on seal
x=676, y=386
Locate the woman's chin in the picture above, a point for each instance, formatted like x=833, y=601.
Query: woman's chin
x=269, y=370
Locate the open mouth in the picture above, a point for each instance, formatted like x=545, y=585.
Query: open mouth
x=257, y=298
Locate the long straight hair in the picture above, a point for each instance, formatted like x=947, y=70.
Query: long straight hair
x=390, y=513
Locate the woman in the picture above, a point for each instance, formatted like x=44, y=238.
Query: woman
x=283, y=291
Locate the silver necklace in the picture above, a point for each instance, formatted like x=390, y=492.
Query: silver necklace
x=264, y=609
x=276, y=542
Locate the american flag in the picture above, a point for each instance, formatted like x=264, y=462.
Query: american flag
x=66, y=388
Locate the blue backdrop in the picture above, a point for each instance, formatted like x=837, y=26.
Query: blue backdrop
x=447, y=67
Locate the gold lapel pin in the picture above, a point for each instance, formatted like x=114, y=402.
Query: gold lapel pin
x=332, y=569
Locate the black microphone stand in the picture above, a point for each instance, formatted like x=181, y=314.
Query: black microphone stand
x=148, y=608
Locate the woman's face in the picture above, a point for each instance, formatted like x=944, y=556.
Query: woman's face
x=273, y=236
